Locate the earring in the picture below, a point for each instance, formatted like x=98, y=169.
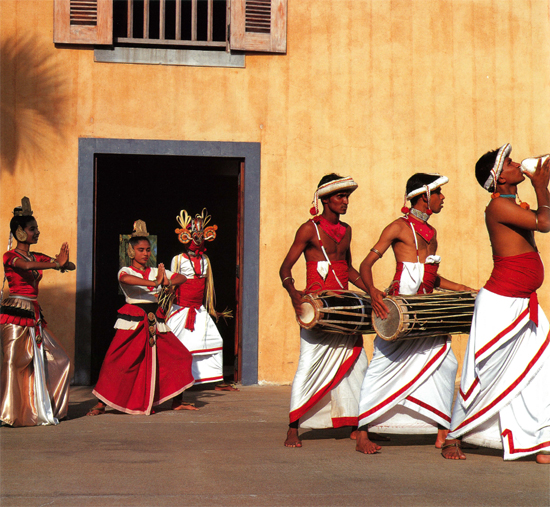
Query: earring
x=20, y=234
x=131, y=251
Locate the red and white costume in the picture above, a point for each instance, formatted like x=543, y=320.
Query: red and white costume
x=190, y=321
x=409, y=384
x=504, y=398
x=34, y=387
x=137, y=372
x=325, y=390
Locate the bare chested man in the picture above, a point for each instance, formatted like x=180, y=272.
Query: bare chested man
x=325, y=391
x=409, y=385
x=504, y=397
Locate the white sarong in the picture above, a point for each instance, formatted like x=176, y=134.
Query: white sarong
x=504, y=398
x=409, y=384
x=205, y=342
x=325, y=390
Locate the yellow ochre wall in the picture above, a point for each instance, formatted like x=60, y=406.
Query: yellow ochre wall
x=376, y=89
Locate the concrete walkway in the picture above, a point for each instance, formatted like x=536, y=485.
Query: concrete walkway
x=231, y=453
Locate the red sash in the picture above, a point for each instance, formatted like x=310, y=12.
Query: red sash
x=518, y=276
x=191, y=295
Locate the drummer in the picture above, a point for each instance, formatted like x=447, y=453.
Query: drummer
x=325, y=391
x=409, y=385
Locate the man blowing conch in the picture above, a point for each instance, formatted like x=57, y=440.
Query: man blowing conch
x=504, y=397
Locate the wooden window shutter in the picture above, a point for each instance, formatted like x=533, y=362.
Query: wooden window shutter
x=83, y=21
x=258, y=25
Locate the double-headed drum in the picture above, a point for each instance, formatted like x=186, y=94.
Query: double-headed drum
x=418, y=316
x=337, y=311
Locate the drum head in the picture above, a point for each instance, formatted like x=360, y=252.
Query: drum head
x=308, y=314
x=388, y=328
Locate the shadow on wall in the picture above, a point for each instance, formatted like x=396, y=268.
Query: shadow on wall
x=33, y=99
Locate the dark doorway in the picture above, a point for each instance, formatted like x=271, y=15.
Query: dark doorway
x=155, y=188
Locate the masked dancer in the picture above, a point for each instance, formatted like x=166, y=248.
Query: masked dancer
x=191, y=316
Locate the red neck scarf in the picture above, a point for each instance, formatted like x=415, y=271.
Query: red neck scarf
x=424, y=230
x=336, y=232
x=200, y=249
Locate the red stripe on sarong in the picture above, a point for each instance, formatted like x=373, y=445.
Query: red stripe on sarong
x=429, y=407
x=502, y=333
x=209, y=379
x=508, y=434
x=346, y=366
x=471, y=390
x=339, y=422
x=206, y=350
x=510, y=388
x=404, y=388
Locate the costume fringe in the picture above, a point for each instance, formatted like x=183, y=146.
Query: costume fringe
x=210, y=296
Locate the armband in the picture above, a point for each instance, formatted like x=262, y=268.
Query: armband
x=376, y=252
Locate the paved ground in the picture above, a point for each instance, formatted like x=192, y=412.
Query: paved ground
x=230, y=453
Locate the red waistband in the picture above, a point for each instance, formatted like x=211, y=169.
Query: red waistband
x=316, y=283
x=190, y=294
x=516, y=276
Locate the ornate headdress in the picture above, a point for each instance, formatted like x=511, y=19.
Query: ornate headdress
x=424, y=189
x=23, y=211
x=195, y=230
x=491, y=182
x=140, y=229
x=343, y=184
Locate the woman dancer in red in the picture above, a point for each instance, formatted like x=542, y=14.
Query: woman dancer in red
x=145, y=364
x=34, y=386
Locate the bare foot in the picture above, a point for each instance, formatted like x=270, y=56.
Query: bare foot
x=98, y=409
x=441, y=437
x=451, y=450
x=181, y=405
x=292, y=438
x=364, y=445
x=543, y=458
x=225, y=387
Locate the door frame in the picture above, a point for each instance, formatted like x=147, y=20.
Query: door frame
x=250, y=154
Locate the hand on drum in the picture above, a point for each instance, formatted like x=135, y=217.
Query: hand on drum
x=378, y=305
x=296, y=297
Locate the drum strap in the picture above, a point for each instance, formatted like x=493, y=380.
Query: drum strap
x=326, y=256
x=415, y=240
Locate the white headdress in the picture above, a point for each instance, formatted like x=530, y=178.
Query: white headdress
x=343, y=184
x=430, y=187
x=425, y=189
x=502, y=155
